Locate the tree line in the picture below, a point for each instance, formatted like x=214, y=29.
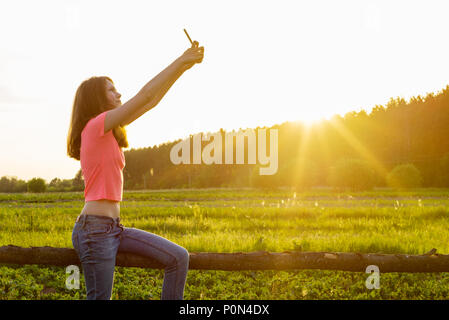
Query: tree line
x=402, y=144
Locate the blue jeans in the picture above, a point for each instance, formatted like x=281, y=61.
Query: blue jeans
x=97, y=239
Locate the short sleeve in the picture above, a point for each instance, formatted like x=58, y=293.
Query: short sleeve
x=101, y=119
x=97, y=124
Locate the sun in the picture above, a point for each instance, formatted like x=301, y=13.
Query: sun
x=311, y=115
x=311, y=119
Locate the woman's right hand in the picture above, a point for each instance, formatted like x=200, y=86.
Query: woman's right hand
x=193, y=55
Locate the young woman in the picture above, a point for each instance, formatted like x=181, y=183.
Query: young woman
x=96, y=136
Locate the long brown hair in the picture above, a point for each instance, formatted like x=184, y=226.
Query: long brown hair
x=90, y=100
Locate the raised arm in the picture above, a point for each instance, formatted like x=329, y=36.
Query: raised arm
x=150, y=95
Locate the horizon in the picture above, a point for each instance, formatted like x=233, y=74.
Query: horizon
x=305, y=124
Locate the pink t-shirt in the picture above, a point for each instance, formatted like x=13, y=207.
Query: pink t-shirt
x=102, y=162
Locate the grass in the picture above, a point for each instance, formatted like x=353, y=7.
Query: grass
x=233, y=220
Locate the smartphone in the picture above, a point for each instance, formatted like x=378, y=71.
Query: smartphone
x=188, y=36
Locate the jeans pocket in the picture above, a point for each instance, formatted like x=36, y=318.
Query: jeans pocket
x=97, y=230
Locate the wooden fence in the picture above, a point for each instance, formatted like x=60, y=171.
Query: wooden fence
x=261, y=260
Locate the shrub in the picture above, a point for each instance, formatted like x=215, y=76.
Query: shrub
x=36, y=185
x=404, y=176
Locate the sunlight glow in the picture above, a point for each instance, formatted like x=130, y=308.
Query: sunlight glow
x=359, y=147
x=299, y=170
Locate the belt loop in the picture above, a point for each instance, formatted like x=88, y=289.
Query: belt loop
x=119, y=225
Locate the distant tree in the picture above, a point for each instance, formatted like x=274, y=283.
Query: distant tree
x=404, y=176
x=78, y=181
x=5, y=185
x=55, y=183
x=398, y=132
x=12, y=185
x=37, y=185
x=18, y=185
x=354, y=174
x=443, y=172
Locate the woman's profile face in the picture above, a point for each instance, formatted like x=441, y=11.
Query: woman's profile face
x=112, y=95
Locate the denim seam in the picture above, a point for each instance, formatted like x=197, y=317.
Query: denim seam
x=95, y=284
x=147, y=243
x=77, y=241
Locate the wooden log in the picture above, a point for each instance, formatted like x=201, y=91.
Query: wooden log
x=260, y=260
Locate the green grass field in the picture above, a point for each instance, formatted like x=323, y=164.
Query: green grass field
x=233, y=220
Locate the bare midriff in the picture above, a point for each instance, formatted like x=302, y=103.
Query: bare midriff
x=102, y=207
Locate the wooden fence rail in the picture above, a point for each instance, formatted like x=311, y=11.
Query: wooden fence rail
x=261, y=260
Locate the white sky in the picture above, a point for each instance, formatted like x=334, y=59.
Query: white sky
x=265, y=62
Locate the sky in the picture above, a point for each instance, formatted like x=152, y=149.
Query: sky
x=265, y=63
